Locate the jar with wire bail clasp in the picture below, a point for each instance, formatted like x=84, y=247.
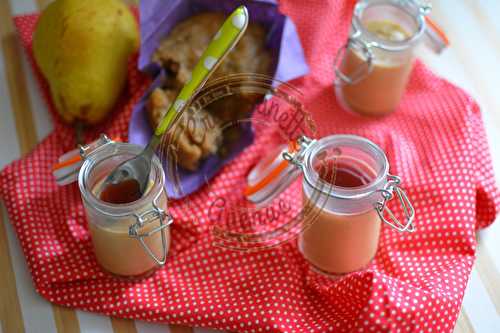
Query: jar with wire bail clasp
x=346, y=186
x=373, y=67
x=130, y=239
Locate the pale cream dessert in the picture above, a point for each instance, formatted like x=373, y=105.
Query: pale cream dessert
x=380, y=91
x=338, y=243
x=118, y=252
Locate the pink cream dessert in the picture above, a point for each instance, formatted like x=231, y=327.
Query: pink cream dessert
x=341, y=243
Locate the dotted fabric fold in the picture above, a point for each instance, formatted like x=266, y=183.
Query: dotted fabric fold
x=435, y=142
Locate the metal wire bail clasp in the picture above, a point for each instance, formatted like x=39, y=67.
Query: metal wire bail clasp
x=354, y=42
x=147, y=218
x=424, y=7
x=392, y=187
x=86, y=150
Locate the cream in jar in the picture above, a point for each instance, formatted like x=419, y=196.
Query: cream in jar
x=379, y=92
x=336, y=242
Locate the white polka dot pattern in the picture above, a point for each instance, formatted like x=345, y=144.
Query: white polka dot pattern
x=238, y=21
x=435, y=142
x=209, y=62
x=179, y=104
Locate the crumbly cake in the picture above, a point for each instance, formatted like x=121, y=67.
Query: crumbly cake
x=178, y=53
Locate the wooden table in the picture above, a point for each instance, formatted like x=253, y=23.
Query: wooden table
x=471, y=62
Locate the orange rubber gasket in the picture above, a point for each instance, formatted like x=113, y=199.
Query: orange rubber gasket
x=72, y=160
x=438, y=30
x=249, y=190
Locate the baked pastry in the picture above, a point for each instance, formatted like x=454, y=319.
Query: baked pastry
x=195, y=136
x=178, y=53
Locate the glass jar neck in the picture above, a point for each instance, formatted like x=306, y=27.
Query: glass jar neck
x=364, y=158
x=100, y=163
x=408, y=14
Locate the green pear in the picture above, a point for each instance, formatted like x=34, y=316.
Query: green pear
x=82, y=49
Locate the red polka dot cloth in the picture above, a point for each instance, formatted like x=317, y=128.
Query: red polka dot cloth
x=435, y=141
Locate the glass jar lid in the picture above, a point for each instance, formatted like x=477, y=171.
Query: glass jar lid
x=308, y=157
x=409, y=14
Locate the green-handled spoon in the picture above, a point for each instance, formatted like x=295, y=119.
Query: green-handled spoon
x=222, y=43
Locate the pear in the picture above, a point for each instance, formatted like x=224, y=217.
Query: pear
x=82, y=49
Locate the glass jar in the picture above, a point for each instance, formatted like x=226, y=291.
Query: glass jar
x=373, y=67
x=129, y=239
x=346, y=187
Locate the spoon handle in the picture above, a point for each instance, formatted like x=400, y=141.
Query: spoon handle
x=222, y=43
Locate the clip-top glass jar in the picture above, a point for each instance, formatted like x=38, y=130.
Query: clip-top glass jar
x=346, y=187
x=129, y=239
x=373, y=67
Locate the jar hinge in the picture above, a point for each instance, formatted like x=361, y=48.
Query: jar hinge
x=353, y=42
x=86, y=150
x=296, y=156
x=424, y=7
x=149, y=217
x=387, y=192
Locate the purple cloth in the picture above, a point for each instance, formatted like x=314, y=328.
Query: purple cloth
x=159, y=17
